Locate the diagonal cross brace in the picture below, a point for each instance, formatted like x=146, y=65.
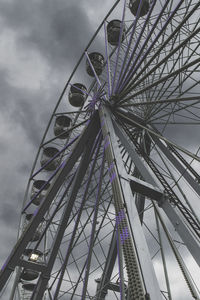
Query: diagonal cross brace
x=185, y=234
x=14, y=257
x=122, y=193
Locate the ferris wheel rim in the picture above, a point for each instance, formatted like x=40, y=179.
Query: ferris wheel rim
x=116, y=114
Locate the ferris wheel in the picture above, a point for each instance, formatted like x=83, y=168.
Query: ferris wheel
x=112, y=203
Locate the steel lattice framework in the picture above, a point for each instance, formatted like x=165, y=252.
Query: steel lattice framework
x=111, y=208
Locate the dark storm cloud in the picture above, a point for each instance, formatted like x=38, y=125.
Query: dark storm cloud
x=59, y=30
x=19, y=106
x=8, y=211
x=5, y=89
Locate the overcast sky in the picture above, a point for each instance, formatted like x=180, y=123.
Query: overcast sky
x=40, y=42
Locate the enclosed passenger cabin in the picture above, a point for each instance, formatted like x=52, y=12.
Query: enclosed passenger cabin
x=134, y=6
x=61, y=126
x=29, y=275
x=97, y=61
x=37, y=186
x=113, y=32
x=29, y=287
x=48, y=154
x=77, y=94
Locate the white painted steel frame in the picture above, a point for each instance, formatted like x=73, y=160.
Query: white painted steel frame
x=138, y=239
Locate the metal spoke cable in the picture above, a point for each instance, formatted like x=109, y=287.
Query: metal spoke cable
x=169, y=191
x=127, y=90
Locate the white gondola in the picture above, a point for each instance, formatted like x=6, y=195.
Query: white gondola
x=77, y=94
x=113, y=32
x=37, y=185
x=134, y=5
x=62, y=124
x=48, y=154
x=97, y=61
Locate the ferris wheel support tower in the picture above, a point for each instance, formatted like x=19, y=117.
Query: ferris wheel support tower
x=111, y=207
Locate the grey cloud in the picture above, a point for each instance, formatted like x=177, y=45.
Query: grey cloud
x=47, y=27
x=59, y=31
x=20, y=109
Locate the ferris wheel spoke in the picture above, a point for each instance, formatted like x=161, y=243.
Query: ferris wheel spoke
x=171, y=82
x=178, y=257
x=167, y=281
x=88, y=236
x=173, y=50
x=165, y=69
x=41, y=285
x=164, y=106
x=53, y=158
x=182, y=149
x=177, y=165
x=79, y=280
x=125, y=74
x=126, y=64
x=190, y=115
x=65, y=132
x=177, y=29
x=163, y=101
x=50, y=218
x=107, y=61
x=183, y=107
x=171, y=214
x=178, y=71
x=118, y=48
x=135, y=66
x=92, y=233
x=75, y=229
x=112, y=211
x=180, y=84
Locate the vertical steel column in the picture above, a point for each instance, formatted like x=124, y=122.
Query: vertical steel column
x=14, y=258
x=163, y=258
x=185, y=234
x=85, y=160
x=92, y=237
x=141, y=275
x=72, y=238
x=183, y=171
x=109, y=265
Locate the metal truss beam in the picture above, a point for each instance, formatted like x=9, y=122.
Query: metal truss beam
x=144, y=172
x=122, y=193
x=14, y=257
x=145, y=189
x=185, y=234
x=102, y=286
x=182, y=170
x=85, y=160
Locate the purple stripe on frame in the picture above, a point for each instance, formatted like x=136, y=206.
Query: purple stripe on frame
x=111, y=167
x=113, y=176
x=36, y=211
x=5, y=264
x=102, y=123
x=106, y=144
x=124, y=235
x=120, y=216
